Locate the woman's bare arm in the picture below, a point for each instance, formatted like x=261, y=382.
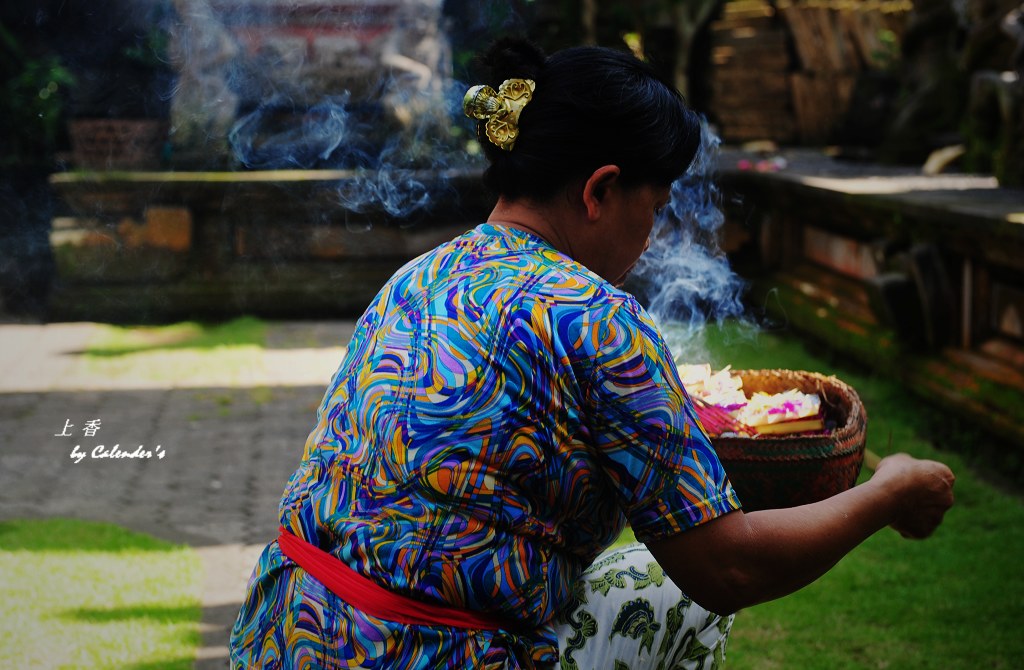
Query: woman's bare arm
x=741, y=559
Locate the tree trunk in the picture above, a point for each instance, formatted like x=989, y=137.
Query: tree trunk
x=689, y=16
x=589, y=21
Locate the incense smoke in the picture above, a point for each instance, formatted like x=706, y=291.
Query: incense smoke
x=364, y=89
x=684, y=275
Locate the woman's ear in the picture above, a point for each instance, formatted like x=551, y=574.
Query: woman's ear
x=595, y=189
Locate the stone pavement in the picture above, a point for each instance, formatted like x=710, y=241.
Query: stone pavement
x=228, y=447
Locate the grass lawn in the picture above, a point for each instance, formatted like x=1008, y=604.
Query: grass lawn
x=115, y=599
x=176, y=351
x=121, y=340
x=92, y=595
x=954, y=600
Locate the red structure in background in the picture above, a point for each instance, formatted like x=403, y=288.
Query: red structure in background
x=320, y=26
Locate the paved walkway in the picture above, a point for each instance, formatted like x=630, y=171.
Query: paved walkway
x=228, y=446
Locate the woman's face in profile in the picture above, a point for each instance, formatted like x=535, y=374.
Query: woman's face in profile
x=630, y=228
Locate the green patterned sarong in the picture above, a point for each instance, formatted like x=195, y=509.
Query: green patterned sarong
x=627, y=614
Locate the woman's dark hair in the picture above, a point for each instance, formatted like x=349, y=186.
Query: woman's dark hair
x=592, y=106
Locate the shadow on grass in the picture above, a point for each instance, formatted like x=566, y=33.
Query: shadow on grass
x=71, y=535
x=62, y=575
x=166, y=664
x=124, y=340
x=164, y=614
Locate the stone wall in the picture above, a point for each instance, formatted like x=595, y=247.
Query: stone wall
x=387, y=60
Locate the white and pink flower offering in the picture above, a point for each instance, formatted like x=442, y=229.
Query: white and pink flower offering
x=725, y=409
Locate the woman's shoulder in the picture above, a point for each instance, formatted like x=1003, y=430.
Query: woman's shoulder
x=509, y=268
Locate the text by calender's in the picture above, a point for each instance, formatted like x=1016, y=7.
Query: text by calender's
x=89, y=428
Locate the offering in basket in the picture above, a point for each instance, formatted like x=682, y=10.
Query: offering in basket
x=807, y=439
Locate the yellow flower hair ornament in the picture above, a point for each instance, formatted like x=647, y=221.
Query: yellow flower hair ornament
x=500, y=109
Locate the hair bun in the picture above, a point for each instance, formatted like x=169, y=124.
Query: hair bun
x=512, y=57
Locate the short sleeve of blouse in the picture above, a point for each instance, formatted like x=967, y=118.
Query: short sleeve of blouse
x=646, y=435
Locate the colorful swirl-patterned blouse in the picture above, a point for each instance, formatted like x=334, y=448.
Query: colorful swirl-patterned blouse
x=500, y=414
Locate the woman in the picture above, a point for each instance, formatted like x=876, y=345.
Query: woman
x=504, y=409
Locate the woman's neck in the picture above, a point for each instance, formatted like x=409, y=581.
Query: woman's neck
x=547, y=222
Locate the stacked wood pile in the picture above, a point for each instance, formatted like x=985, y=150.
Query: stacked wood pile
x=750, y=91
x=784, y=70
x=835, y=40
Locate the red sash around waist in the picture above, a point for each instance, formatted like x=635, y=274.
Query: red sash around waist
x=370, y=598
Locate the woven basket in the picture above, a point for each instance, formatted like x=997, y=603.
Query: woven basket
x=788, y=470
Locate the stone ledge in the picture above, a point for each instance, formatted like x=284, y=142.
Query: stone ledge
x=832, y=242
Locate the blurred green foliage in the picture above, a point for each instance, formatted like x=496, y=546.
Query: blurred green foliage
x=32, y=103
